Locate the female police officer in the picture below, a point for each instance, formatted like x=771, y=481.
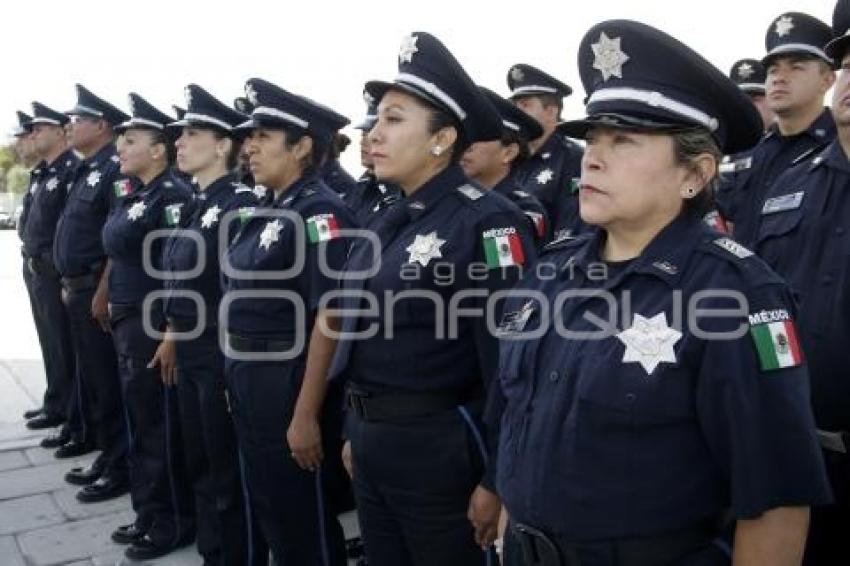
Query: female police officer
x=208, y=152
x=158, y=488
x=276, y=272
x=492, y=163
x=416, y=390
x=643, y=403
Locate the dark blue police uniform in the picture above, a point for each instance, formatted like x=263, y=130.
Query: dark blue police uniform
x=47, y=194
x=337, y=178
x=209, y=441
x=518, y=125
x=802, y=234
x=96, y=185
x=748, y=175
x=296, y=508
x=548, y=174
x=416, y=395
x=626, y=432
x=158, y=487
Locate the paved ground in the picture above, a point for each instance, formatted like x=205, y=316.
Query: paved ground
x=41, y=523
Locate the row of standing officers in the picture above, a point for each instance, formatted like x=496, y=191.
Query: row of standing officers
x=164, y=308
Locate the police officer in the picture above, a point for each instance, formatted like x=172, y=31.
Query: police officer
x=750, y=76
x=369, y=197
x=242, y=105
x=418, y=450
x=555, y=161
x=48, y=191
x=207, y=150
x=799, y=74
x=96, y=185
x=158, y=487
x=332, y=172
x=288, y=421
x=803, y=235
x=628, y=432
x=492, y=164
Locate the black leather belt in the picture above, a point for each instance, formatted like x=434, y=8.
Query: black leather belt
x=246, y=344
x=81, y=282
x=540, y=549
x=388, y=406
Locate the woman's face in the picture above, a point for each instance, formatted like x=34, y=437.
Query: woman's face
x=400, y=142
x=630, y=179
x=137, y=152
x=271, y=163
x=484, y=160
x=197, y=150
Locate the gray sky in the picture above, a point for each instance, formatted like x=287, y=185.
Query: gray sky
x=328, y=49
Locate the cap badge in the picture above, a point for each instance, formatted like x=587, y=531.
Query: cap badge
x=745, y=71
x=517, y=74
x=784, y=25
x=187, y=93
x=408, y=48
x=251, y=94
x=609, y=58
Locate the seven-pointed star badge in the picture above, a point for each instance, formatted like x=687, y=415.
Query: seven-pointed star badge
x=784, y=25
x=271, y=233
x=425, y=248
x=408, y=48
x=210, y=217
x=52, y=184
x=745, y=71
x=649, y=341
x=93, y=178
x=545, y=176
x=135, y=212
x=609, y=58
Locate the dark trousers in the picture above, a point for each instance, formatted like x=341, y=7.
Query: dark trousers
x=159, y=489
x=51, y=324
x=412, y=482
x=212, y=458
x=97, y=402
x=296, y=509
x=828, y=530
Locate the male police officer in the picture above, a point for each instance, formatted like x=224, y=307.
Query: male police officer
x=548, y=174
x=799, y=74
x=96, y=186
x=47, y=197
x=805, y=235
x=750, y=76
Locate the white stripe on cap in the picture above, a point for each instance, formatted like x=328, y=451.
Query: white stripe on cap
x=192, y=117
x=533, y=88
x=142, y=122
x=511, y=125
x=799, y=47
x=274, y=112
x=89, y=110
x=751, y=86
x=434, y=91
x=656, y=100
x=43, y=120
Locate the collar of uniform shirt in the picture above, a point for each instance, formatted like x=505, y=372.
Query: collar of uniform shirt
x=105, y=153
x=833, y=156
x=434, y=189
x=664, y=257
x=823, y=128
x=155, y=183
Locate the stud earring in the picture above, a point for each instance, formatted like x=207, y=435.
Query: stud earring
x=436, y=150
x=690, y=192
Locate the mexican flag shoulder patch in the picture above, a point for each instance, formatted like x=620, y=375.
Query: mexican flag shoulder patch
x=776, y=340
x=502, y=247
x=122, y=188
x=172, y=214
x=322, y=227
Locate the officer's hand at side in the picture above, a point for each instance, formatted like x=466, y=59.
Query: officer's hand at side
x=483, y=513
x=304, y=437
x=166, y=358
x=100, y=309
x=346, y=458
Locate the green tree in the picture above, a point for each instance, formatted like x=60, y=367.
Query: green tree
x=17, y=179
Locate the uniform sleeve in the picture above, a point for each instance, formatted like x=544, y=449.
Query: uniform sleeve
x=110, y=193
x=505, y=247
x=322, y=223
x=754, y=409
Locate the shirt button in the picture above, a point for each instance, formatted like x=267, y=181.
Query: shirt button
x=631, y=397
x=553, y=376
